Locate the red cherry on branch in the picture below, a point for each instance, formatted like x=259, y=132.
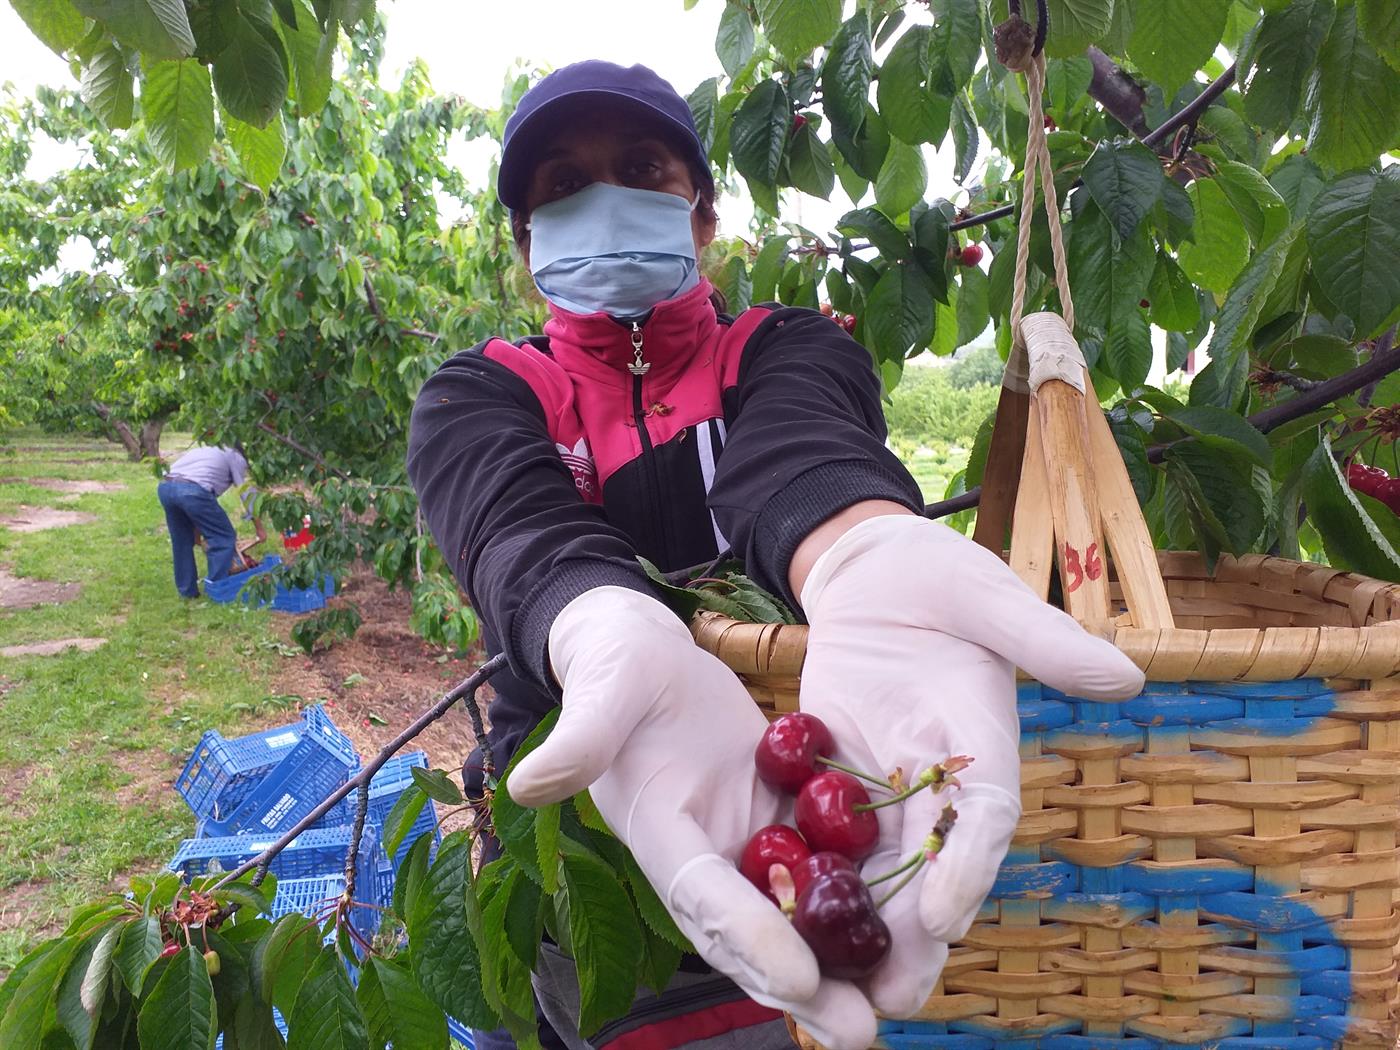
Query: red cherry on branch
x=786, y=755
x=971, y=255
x=827, y=818
x=775, y=844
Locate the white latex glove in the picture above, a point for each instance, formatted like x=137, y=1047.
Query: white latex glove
x=915, y=635
x=663, y=736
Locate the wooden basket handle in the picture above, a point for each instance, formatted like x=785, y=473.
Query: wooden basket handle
x=1052, y=448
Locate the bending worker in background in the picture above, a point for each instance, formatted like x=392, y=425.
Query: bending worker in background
x=646, y=422
x=190, y=495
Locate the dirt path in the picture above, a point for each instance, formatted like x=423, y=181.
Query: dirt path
x=37, y=519
x=384, y=678
x=20, y=592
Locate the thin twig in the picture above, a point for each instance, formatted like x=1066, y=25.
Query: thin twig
x=421, y=334
x=1187, y=115
x=297, y=446
x=467, y=688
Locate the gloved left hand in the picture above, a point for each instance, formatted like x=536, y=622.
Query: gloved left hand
x=915, y=635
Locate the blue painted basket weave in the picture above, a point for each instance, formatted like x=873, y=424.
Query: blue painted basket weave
x=1211, y=864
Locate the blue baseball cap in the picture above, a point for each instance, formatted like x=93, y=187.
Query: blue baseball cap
x=596, y=80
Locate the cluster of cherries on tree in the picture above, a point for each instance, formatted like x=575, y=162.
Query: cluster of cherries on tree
x=810, y=871
x=1376, y=483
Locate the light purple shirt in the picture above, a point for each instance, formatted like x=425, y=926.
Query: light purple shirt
x=216, y=468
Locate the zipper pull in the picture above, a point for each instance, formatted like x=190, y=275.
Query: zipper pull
x=638, y=367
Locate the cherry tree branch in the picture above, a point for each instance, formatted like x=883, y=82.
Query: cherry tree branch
x=1383, y=362
x=297, y=446
x=466, y=688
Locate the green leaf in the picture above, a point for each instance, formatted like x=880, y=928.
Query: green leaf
x=85, y=986
x=914, y=112
x=899, y=312
x=1354, y=105
x=654, y=914
x=607, y=946
x=1385, y=519
x=1067, y=83
x=902, y=179
x=760, y=131
x=1282, y=53
x=1220, y=497
x=1354, y=240
x=1220, y=428
x=1380, y=24
x=505, y=982
x=445, y=957
x=734, y=40
x=282, y=959
x=1298, y=182
x=56, y=23
x=809, y=163
x=1171, y=39
x=704, y=108
x=1239, y=314
x=1259, y=205
x=954, y=44
x=660, y=960
x=326, y=1015
x=966, y=139
x=1352, y=539
x=30, y=1010
x=795, y=27
x=396, y=1011
x=1075, y=24
x=177, y=109
x=1174, y=305
x=513, y=823
x=878, y=229
x=311, y=53
x=1127, y=349
x=971, y=309
x=524, y=918
x=159, y=29
x=1221, y=245
x=547, y=845
x=180, y=1014
x=254, y=1027
x=402, y=817
x=767, y=267
x=863, y=149
x=1125, y=179
x=1109, y=277
x=846, y=75
x=261, y=150
x=106, y=88
x=250, y=74
x=437, y=785
x=139, y=947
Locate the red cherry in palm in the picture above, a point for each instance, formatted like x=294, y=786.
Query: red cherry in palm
x=818, y=864
x=775, y=844
x=827, y=817
x=786, y=756
x=971, y=255
x=837, y=918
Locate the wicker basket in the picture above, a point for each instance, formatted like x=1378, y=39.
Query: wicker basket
x=1213, y=863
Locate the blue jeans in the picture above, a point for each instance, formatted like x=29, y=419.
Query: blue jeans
x=188, y=507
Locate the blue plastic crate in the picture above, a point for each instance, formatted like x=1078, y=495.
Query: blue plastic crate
x=221, y=773
x=285, y=599
x=392, y=780
x=322, y=760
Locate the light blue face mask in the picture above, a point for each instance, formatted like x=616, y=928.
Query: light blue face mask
x=613, y=249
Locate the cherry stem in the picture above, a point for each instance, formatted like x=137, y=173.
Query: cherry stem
x=936, y=777
x=910, y=863
x=915, y=867
x=882, y=784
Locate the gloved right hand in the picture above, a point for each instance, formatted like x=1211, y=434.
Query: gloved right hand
x=663, y=736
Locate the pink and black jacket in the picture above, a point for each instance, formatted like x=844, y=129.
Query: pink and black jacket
x=545, y=466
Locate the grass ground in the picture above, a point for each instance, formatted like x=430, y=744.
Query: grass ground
x=92, y=740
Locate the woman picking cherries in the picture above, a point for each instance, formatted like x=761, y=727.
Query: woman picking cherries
x=645, y=421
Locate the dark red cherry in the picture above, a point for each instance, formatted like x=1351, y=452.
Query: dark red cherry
x=786, y=756
x=837, y=918
x=818, y=864
x=775, y=844
x=827, y=817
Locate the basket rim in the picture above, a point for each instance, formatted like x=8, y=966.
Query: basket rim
x=1179, y=654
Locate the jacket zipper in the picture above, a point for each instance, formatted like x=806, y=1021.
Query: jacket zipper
x=639, y=368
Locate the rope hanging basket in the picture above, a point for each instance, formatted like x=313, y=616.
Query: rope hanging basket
x=1213, y=863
